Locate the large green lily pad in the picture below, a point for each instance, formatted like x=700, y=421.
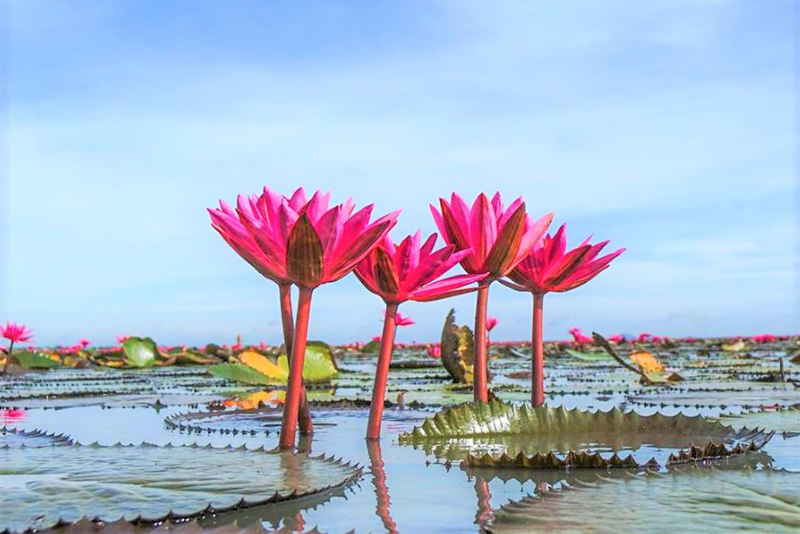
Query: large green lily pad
x=706, y=501
x=503, y=428
x=45, y=485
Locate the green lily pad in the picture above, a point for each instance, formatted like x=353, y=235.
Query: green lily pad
x=319, y=366
x=589, y=356
x=708, y=501
x=140, y=352
x=785, y=420
x=501, y=428
x=43, y=486
x=34, y=360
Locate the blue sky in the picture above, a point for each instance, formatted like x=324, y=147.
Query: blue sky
x=665, y=126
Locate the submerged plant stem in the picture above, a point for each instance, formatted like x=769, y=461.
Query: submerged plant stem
x=480, y=371
x=382, y=373
x=287, y=319
x=295, y=384
x=537, y=358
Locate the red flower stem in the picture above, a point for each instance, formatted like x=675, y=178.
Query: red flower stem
x=381, y=489
x=479, y=366
x=8, y=357
x=294, y=387
x=306, y=426
x=382, y=373
x=537, y=358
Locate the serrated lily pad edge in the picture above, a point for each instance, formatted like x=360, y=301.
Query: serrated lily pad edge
x=277, y=497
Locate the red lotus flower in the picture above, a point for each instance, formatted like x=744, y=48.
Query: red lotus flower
x=549, y=267
x=302, y=242
x=491, y=322
x=15, y=333
x=499, y=239
x=398, y=273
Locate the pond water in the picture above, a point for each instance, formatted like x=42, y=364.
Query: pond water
x=411, y=488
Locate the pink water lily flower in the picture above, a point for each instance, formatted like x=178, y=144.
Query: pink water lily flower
x=121, y=339
x=302, y=242
x=499, y=238
x=14, y=333
x=401, y=320
x=83, y=342
x=397, y=273
x=579, y=336
x=491, y=322
x=551, y=268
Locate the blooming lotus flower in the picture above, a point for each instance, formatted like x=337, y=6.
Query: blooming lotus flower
x=763, y=338
x=400, y=320
x=644, y=337
x=121, y=339
x=14, y=333
x=499, y=238
x=397, y=273
x=303, y=242
x=550, y=267
x=617, y=338
x=579, y=336
x=83, y=342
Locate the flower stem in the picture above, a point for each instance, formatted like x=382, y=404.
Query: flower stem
x=381, y=489
x=306, y=426
x=382, y=373
x=294, y=387
x=537, y=358
x=8, y=357
x=479, y=370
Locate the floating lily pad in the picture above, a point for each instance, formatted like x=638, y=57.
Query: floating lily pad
x=707, y=501
x=497, y=427
x=34, y=360
x=13, y=437
x=783, y=420
x=46, y=485
x=590, y=356
x=140, y=352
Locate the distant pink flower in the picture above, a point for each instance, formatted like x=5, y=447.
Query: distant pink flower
x=491, y=322
x=644, y=337
x=121, y=339
x=617, y=338
x=83, y=342
x=12, y=416
x=435, y=350
x=403, y=321
x=15, y=333
x=376, y=338
x=763, y=338
x=579, y=336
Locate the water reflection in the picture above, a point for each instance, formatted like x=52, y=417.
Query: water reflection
x=484, y=496
x=381, y=489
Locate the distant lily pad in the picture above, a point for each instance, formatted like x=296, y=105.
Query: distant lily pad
x=43, y=486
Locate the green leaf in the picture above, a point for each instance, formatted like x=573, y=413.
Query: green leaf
x=707, y=501
x=34, y=360
x=499, y=427
x=149, y=482
x=319, y=365
x=589, y=356
x=239, y=373
x=140, y=352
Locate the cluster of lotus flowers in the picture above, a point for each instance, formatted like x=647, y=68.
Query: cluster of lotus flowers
x=305, y=242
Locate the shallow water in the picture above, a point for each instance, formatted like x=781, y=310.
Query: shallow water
x=402, y=489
